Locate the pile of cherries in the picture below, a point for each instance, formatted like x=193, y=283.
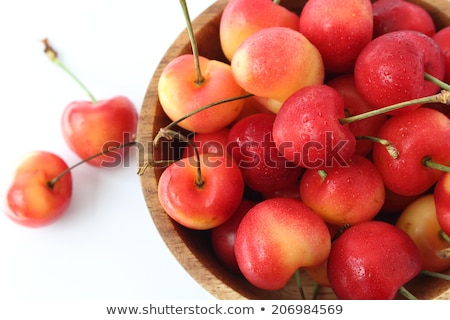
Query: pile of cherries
x=323, y=144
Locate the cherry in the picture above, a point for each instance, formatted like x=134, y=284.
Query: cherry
x=339, y=31
x=277, y=237
x=344, y=195
x=190, y=81
x=422, y=138
x=91, y=126
x=34, y=198
x=372, y=260
x=396, y=15
x=420, y=222
x=307, y=130
x=392, y=68
x=201, y=199
x=252, y=147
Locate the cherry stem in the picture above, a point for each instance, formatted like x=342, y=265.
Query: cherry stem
x=433, y=274
x=436, y=81
x=276, y=1
x=298, y=281
x=316, y=290
x=441, y=97
x=213, y=104
x=323, y=175
x=444, y=236
x=406, y=293
x=428, y=162
x=444, y=253
x=52, y=182
x=390, y=147
x=52, y=54
x=199, y=78
x=170, y=134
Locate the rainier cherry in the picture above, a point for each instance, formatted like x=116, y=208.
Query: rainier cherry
x=242, y=18
x=275, y=62
x=90, y=127
x=191, y=81
x=391, y=69
x=396, y=15
x=419, y=221
x=34, y=198
x=340, y=29
x=307, y=130
x=201, y=200
x=277, y=237
x=372, y=260
x=344, y=195
x=422, y=138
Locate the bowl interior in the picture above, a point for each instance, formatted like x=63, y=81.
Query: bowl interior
x=192, y=248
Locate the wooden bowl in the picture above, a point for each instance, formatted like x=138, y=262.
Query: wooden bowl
x=192, y=248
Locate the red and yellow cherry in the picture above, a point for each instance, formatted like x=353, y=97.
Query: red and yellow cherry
x=307, y=130
x=224, y=235
x=181, y=93
x=340, y=29
x=396, y=15
x=344, y=195
x=34, y=198
x=392, y=67
x=419, y=221
x=372, y=260
x=421, y=137
x=355, y=104
x=242, y=18
x=203, y=200
x=277, y=237
x=442, y=201
x=92, y=126
x=261, y=68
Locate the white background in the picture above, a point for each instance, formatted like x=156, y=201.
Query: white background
x=106, y=245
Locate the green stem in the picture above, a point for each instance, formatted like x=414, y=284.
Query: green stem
x=316, y=290
x=391, y=149
x=435, y=275
x=298, y=281
x=52, y=182
x=441, y=97
x=436, y=81
x=53, y=56
x=213, y=104
x=276, y=1
x=428, y=162
x=444, y=236
x=199, y=78
x=406, y=293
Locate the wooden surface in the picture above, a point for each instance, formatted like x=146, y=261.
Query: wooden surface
x=192, y=248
